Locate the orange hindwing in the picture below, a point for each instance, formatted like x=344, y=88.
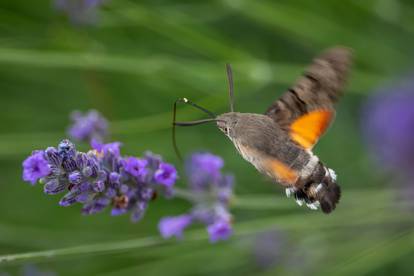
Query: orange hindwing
x=308, y=128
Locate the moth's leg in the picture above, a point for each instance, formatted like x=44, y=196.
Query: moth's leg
x=301, y=197
x=290, y=191
x=314, y=205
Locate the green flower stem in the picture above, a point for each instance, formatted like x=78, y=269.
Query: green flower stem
x=83, y=249
x=311, y=222
x=372, y=258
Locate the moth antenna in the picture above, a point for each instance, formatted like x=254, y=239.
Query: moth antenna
x=231, y=86
x=187, y=101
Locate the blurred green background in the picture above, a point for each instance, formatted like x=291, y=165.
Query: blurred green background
x=132, y=63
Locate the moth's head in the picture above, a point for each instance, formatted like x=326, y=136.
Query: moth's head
x=227, y=123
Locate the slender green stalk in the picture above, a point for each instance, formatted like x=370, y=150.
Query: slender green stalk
x=83, y=249
x=290, y=222
x=348, y=218
x=378, y=255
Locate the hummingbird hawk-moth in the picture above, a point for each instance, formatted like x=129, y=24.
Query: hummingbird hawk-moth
x=279, y=142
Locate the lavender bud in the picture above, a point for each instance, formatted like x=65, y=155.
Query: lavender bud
x=75, y=177
x=69, y=199
x=110, y=192
x=82, y=160
x=53, y=186
x=153, y=160
x=102, y=175
x=99, y=186
x=87, y=171
x=84, y=187
x=66, y=149
x=95, y=206
x=118, y=211
x=114, y=177
x=69, y=164
x=139, y=211
x=53, y=157
x=124, y=189
x=82, y=198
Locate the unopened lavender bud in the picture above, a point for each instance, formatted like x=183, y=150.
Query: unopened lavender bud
x=99, y=186
x=53, y=187
x=114, y=177
x=69, y=199
x=75, y=177
x=53, y=156
x=87, y=171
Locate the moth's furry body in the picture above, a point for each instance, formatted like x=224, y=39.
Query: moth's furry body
x=279, y=143
x=261, y=141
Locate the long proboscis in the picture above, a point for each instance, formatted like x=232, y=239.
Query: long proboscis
x=194, y=123
x=191, y=123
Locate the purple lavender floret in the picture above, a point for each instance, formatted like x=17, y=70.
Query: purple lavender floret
x=166, y=174
x=35, y=167
x=88, y=126
x=80, y=12
x=99, y=178
x=219, y=230
x=210, y=192
x=136, y=167
x=174, y=226
x=114, y=148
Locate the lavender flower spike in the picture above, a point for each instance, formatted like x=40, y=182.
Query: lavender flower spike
x=100, y=178
x=212, y=191
x=88, y=126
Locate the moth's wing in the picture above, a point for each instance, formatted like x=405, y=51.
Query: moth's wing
x=306, y=110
